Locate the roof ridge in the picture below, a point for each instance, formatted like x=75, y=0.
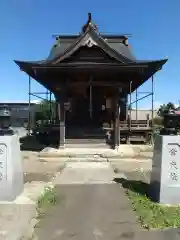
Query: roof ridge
x=90, y=30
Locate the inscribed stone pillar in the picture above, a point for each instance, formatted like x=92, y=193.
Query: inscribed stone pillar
x=11, y=172
x=165, y=175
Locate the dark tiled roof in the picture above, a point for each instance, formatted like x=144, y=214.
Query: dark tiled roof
x=58, y=50
x=122, y=49
x=64, y=49
x=115, y=42
x=114, y=45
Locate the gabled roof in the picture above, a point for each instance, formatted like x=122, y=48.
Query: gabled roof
x=115, y=47
x=116, y=42
x=89, y=37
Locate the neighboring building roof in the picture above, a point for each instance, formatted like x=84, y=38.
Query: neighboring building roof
x=18, y=102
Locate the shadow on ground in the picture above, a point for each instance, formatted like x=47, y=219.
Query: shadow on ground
x=135, y=186
x=31, y=143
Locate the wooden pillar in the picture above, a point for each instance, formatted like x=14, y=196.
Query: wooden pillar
x=116, y=122
x=60, y=100
x=56, y=112
x=61, y=114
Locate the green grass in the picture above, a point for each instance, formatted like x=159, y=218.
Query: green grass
x=46, y=200
x=151, y=214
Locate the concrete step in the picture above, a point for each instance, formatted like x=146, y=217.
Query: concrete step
x=86, y=141
x=88, y=145
x=82, y=158
x=94, y=155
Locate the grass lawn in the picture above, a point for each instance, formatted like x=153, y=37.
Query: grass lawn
x=150, y=214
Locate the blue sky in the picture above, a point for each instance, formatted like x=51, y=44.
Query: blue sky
x=27, y=27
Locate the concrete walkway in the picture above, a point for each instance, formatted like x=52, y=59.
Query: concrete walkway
x=86, y=173
x=91, y=206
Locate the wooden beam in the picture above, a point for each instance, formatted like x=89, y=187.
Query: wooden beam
x=100, y=83
x=61, y=113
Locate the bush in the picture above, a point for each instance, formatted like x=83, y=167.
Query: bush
x=158, y=121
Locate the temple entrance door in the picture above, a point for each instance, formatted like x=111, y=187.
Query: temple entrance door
x=96, y=102
x=86, y=115
x=81, y=116
x=87, y=109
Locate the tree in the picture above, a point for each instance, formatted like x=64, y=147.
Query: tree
x=45, y=110
x=165, y=109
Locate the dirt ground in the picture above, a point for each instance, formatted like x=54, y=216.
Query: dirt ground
x=39, y=170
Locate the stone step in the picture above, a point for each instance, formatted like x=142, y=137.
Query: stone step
x=125, y=162
x=86, y=159
x=86, y=141
x=96, y=155
x=88, y=145
x=74, y=159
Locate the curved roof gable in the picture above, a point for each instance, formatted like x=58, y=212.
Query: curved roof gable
x=89, y=37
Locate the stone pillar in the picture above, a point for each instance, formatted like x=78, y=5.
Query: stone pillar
x=11, y=171
x=165, y=174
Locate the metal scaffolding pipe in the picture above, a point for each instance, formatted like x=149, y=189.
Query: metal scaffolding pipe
x=142, y=98
x=152, y=99
x=43, y=93
x=47, y=94
x=130, y=90
x=144, y=92
x=32, y=94
x=136, y=106
x=29, y=107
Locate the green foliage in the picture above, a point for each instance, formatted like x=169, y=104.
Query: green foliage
x=151, y=214
x=43, y=110
x=165, y=108
x=158, y=121
x=46, y=200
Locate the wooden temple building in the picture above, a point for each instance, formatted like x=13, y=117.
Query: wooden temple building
x=91, y=75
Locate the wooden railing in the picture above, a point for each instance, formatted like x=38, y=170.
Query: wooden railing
x=136, y=130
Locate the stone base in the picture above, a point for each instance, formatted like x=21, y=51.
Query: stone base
x=165, y=175
x=11, y=173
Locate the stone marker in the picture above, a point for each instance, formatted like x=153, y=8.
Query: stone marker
x=11, y=173
x=165, y=175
